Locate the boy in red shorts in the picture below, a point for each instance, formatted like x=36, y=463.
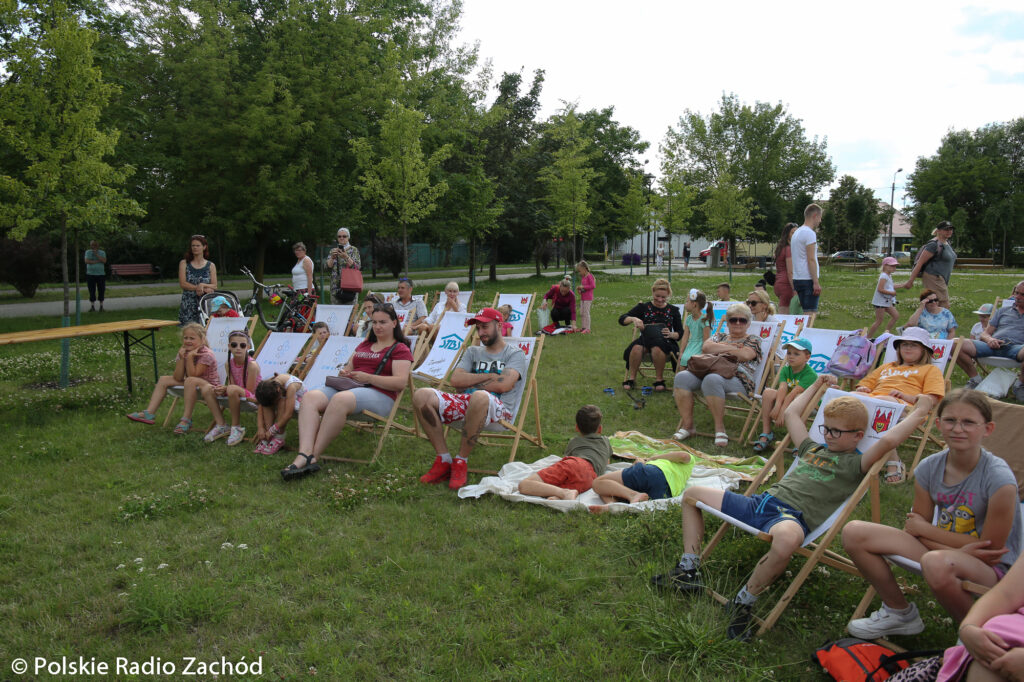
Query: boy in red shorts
x=586, y=457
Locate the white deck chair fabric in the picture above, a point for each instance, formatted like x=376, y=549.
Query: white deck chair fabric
x=336, y=316
x=882, y=415
x=520, y=304
x=792, y=323
x=332, y=357
x=766, y=331
x=392, y=296
x=823, y=345
x=279, y=352
x=451, y=334
x=940, y=352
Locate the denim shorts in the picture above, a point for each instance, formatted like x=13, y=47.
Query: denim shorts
x=804, y=289
x=760, y=511
x=646, y=478
x=1008, y=350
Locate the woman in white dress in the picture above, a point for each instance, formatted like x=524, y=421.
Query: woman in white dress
x=302, y=273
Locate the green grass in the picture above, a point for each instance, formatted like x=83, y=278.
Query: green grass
x=125, y=540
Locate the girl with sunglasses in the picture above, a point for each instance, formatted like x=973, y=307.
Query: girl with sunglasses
x=242, y=376
x=964, y=524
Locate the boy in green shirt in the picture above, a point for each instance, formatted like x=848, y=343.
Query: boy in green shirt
x=824, y=478
x=651, y=478
x=795, y=378
x=586, y=456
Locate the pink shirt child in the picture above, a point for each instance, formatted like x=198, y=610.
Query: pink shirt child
x=587, y=286
x=238, y=380
x=206, y=362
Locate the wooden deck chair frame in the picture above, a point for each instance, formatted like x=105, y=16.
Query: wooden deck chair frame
x=527, y=316
x=369, y=421
x=747, y=406
x=515, y=430
x=1003, y=442
x=646, y=362
x=815, y=549
x=176, y=391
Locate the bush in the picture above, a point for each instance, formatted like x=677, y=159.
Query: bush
x=628, y=257
x=390, y=255
x=28, y=263
x=593, y=256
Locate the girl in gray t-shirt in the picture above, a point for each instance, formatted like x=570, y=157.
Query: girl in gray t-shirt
x=965, y=524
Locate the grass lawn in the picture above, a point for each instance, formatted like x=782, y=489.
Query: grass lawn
x=124, y=540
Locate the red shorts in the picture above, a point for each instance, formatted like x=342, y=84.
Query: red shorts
x=575, y=473
x=451, y=407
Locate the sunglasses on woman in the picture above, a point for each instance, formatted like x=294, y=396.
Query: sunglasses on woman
x=738, y=320
x=383, y=308
x=751, y=304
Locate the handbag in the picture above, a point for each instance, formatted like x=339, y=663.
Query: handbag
x=351, y=280
x=723, y=364
x=340, y=383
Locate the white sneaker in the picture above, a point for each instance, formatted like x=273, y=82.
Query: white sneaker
x=237, y=434
x=217, y=432
x=884, y=622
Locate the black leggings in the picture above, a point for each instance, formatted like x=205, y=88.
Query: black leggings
x=561, y=315
x=96, y=282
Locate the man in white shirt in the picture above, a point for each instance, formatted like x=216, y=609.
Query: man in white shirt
x=804, y=248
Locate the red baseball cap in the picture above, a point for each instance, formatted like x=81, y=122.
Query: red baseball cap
x=486, y=315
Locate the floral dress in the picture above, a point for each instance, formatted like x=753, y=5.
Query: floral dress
x=189, y=310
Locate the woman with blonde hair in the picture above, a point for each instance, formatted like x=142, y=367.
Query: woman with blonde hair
x=450, y=301
x=761, y=306
x=661, y=340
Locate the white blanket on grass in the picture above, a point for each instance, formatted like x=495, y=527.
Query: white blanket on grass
x=506, y=484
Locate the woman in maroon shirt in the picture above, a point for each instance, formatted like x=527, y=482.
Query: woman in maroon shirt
x=563, y=303
x=784, y=269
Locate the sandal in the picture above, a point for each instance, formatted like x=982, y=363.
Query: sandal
x=273, y=445
x=721, y=439
x=763, y=441
x=894, y=477
x=183, y=426
x=629, y=384
x=681, y=434
x=291, y=471
x=659, y=386
x=216, y=433
x=143, y=417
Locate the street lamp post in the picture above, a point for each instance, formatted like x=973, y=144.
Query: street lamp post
x=647, y=180
x=892, y=206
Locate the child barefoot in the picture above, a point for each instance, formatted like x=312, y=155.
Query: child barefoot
x=243, y=374
x=278, y=399
x=794, y=378
x=653, y=478
x=195, y=362
x=586, y=456
x=884, y=299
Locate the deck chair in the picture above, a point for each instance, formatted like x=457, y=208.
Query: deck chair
x=824, y=343
x=944, y=357
x=332, y=357
x=746, y=406
x=793, y=325
x=465, y=298
x=815, y=549
x=337, y=317
x=217, y=331
x=522, y=308
x=646, y=362
x=515, y=429
x=1004, y=442
x=452, y=336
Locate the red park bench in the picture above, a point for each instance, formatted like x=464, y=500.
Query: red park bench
x=120, y=270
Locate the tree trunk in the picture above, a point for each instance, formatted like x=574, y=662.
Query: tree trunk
x=472, y=261
x=64, y=264
x=493, y=274
x=405, y=249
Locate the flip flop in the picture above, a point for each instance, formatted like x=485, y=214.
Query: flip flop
x=143, y=417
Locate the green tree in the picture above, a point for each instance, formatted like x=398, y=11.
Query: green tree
x=852, y=219
x=396, y=175
x=728, y=211
x=762, y=147
x=54, y=174
x=568, y=179
x=633, y=207
x=675, y=205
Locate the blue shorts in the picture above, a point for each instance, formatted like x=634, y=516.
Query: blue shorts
x=646, y=478
x=760, y=511
x=804, y=288
x=1007, y=350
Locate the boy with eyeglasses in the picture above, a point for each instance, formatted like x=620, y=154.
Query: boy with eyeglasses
x=808, y=494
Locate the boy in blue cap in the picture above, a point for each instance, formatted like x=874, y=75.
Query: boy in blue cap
x=795, y=378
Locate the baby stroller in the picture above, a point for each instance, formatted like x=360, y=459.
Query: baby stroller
x=207, y=308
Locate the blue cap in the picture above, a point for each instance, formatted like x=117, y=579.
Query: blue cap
x=799, y=343
x=218, y=302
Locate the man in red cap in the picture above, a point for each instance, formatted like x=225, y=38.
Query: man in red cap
x=495, y=367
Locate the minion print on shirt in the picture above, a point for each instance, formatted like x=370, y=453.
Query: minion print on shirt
x=959, y=519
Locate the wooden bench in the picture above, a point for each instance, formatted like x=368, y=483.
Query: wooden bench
x=120, y=270
x=975, y=264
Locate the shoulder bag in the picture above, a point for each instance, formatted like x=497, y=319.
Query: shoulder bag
x=723, y=364
x=340, y=383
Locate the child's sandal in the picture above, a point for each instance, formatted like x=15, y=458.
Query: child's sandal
x=143, y=417
x=763, y=441
x=895, y=477
x=721, y=439
x=183, y=426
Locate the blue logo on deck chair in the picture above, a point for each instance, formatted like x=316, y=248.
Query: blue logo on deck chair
x=451, y=342
x=515, y=316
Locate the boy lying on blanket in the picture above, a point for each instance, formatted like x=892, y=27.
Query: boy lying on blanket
x=651, y=478
x=825, y=477
x=585, y=458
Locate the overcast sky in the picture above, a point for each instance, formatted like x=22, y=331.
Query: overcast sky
x=883, y=81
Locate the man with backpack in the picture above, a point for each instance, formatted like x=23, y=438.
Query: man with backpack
x=935, y=263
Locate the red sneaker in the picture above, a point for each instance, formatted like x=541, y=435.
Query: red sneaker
x=438, y=472
x=460, y=468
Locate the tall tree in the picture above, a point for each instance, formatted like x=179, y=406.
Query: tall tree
x=853, y=218
x=763, y=149
x=568, y=179
x=396, y=174
x=728, y=211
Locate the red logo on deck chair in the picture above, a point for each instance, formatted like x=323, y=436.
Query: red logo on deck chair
x=524, y=300
x=883, y=417
x=765, y=332
x=938, y=352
